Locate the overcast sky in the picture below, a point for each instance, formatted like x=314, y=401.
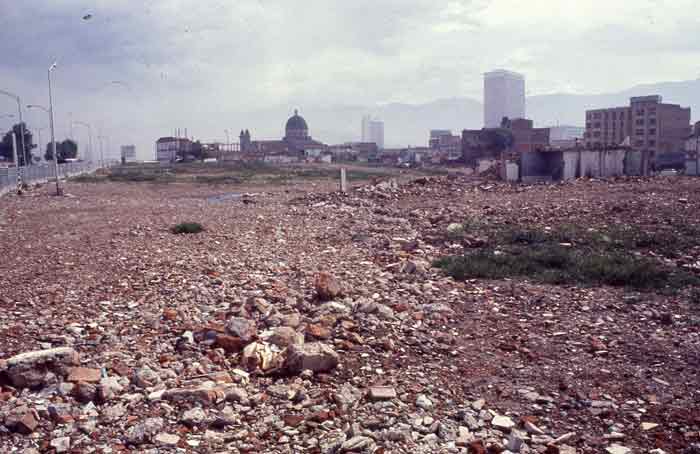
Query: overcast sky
x=202, y=64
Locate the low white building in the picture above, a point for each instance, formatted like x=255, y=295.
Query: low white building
x=169, y=149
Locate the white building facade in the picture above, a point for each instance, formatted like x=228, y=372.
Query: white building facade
x=373, y=131
x=504, y=96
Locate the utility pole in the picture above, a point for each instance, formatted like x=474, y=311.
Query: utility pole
x=21, y=124
x=53, y=134
x=102, y=158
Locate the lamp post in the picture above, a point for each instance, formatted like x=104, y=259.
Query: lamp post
x=102, y=158
x=53, y=134
x=21, y=123
x=38, y=133
x=89, y=136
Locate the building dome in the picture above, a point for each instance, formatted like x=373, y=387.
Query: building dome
x=296, y=127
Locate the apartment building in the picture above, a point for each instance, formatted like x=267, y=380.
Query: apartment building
x=647, y=124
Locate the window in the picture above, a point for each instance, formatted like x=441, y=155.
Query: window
x=639, y=132
x=639, y=122
x=652, y=121
x=596, y=125
x=639, y=143
x=588, y=125
x=652, y=110
x=605, y=115
x=652, y=143
x=652, y=132
x=640, y=112
x=596, y=134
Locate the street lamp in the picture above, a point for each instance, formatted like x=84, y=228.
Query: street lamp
x=102, y=157
x=89, y=136
x=21, y=123
x=38, y=133
x=53, y=135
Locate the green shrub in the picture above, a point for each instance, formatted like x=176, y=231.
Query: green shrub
x=187, y=228
x=554, y=264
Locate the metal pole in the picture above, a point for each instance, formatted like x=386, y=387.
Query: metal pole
x=53, y=135
x=21, y=131
x=102, y=158
x=38, y=131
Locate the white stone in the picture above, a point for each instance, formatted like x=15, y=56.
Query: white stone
x=617, y=449
x=502, y=422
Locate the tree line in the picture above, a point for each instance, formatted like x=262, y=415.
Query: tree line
x=68, y=149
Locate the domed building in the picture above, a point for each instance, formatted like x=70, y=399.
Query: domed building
x=296, y=128
x=296, y=143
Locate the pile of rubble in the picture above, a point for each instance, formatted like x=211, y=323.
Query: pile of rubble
x=317, y=324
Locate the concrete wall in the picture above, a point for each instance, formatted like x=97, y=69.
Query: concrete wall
x=571, y=163
x=613, y=163
x=511, y=170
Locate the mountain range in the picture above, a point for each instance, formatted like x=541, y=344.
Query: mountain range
x=410, y=124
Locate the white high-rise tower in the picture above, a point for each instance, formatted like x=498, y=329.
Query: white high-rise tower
x=373, y=131
x=504, y=96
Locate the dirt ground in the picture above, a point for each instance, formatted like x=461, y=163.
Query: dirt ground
x=99, y=271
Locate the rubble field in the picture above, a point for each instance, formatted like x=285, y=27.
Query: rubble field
x=444, y=314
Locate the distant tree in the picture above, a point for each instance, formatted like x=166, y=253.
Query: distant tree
x=67, y=149
x=6, y=144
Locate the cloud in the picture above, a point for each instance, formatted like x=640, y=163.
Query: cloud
x=205, y=64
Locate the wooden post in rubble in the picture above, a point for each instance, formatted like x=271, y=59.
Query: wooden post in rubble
x=343, y=180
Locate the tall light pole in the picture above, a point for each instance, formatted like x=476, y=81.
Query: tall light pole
x=89, y=136
x=53, y=134
x=102, y=157
x=21, y=123
x=38, y=133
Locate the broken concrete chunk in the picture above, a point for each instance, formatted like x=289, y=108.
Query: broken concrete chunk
x=502, y=423
x=242, y=328
x=283, y=337
x=382, y=393
x=61, y=444
x=146, y=377
x=327, y=287
x=259, y=355
x=37, y=368
x=316, y=357
x=84, y=374
x=143, y=432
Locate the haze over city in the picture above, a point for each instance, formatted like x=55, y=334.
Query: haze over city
x=215, y=65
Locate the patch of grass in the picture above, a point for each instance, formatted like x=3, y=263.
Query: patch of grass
x=88, y=178
x=561, y=265
x=187, y=228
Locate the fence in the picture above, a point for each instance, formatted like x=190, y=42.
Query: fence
x=42, y=173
